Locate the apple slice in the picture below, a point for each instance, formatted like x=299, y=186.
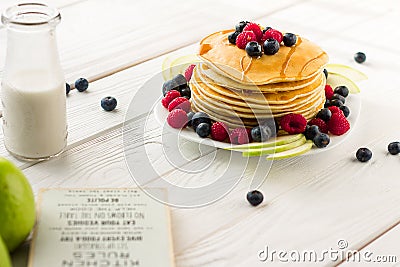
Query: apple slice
x=278, y=141
x=292, y=152
x=173, y=66
x=347, y=71
x=273, y=149
x=335, y=80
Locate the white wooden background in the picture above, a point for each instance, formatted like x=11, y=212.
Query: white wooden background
x=310, y=202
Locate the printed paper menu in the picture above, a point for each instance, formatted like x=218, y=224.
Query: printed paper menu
x=101, y=227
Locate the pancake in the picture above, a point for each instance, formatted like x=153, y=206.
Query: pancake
x=299, y=62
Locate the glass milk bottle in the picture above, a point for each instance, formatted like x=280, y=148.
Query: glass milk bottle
x=33, y=85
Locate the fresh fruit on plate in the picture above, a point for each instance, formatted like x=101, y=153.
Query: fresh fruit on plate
x=17, y=205
x=292, y=152
x=277, y=141
x=347, y=71
x=274, y=149
x=173, y=66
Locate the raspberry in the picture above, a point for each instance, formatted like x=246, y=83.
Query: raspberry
x=244, y=38
x=239, y=136
x=322, y=126
x=189, y=72
x=338, y=124
x=335, y=109
x=293, y=123
x=255, y=28
x=179, y=103
x=328, y=92
x=177, y=118
x=171, y=95
x=274, y=34
x=219, y=131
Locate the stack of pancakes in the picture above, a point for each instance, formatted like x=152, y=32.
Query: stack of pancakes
x=242, y=91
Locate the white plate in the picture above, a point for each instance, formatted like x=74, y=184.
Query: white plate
x=353, y=101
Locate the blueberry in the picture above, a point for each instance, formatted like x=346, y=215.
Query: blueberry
x=338, y=97
x=311, y=131
x=168, y=86
x=266, y=29
x=203, y=130
x=200, y=117
x=232, y=37
x=289, y=39
x=180, y=81
x=261, y=133
x=326, y=73
x=324, y=114
x=255, y=198
x=321, y=140
x=240, y=26
x=394, y=148
x=190, y=116
x=109, y=103
x=336, y=102
x=360, y=57
x=327, y=104
x=342, y=90
x=186, y=92
x=253, y=49
x=346, y=110
x=67, y=88
x=363, y=154
x=81, y=84
x=271, y=47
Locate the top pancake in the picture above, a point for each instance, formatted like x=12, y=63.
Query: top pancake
x=299, y=62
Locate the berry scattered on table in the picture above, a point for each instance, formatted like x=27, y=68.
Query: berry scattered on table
x=289, y=39
x=363, y=154
x=345, y=110
x=338, y=97
x=328, y=92
x=168, y=86
x=244, y=38
x=326, y=73
x=200, y=117
x=190, y=116
x=255, y=198
x=109, y=103
x=272, y=34
x=336, y=102
x=203, y=130
x=189, y=72
x=321, y=140
x=261, y=133
x=171, y=95
x=240, y=26
x=219, y=131
x=342, y=90
x=271, y=47
x=81, y=84
x=324, y=114
x=394, y=148
x=232, y=37
x=67, y=88
x=253, y=49
x=177, y=119
x=239, y=136
x=338, y=124
x=311, y=131
x=293, y=123
x=186, y=92
x=360, y=57
x=322, y=126
x=255, y=28
x=179, y=103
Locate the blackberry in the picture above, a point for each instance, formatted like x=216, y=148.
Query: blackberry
x=363, y=154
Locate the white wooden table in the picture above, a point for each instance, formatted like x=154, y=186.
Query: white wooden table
x=311, y=202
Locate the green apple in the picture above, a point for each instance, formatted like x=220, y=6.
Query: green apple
x=292, y=152
x=274, y=149
x=17, y=205
x=335, y=79
x=5, y=260
x=347, y=71
x=173, y=66
x=277, y=141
